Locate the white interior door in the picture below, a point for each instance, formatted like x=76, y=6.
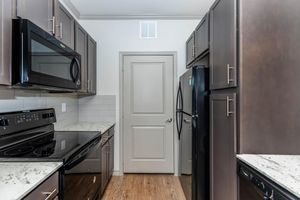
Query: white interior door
x=148, y=95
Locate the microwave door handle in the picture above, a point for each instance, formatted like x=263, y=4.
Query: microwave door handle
x=75, y=77
x=72, y=69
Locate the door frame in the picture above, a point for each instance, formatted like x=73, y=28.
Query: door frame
x=122, y=54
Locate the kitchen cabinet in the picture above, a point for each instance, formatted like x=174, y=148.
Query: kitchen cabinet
x=92, y=65
x=111, y=157
x=81, y=38
x=190, y=49
x=64, y=24
x=7, y=13
x=223, y=65
x=49, y=189
x=223, y=176
x=40, y=12
x=107, y=157
x=202, y=36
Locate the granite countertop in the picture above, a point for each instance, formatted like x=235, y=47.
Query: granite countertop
x=282, y=169
x=17, y=179
x=87, y=126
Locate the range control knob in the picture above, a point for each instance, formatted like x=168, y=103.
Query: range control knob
x=4, y=122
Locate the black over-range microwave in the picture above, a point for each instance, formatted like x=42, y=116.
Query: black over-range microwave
x=40, y=60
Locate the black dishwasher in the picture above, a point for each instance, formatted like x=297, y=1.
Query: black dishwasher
x=255, y=186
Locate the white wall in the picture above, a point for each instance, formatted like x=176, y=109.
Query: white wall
x=115, y=36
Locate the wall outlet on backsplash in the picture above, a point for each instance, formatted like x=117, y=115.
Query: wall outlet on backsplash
x=63, y=107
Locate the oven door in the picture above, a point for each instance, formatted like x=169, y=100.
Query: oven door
x=41, y=60
x=82, y=179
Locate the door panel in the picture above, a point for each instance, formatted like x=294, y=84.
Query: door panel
x=223, y=44
x=223, y=147
x=148, y=142
x=143, y=92
x=148, y=104
x=6, y=14
x=42, y=16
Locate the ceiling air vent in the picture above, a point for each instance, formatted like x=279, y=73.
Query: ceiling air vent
x=148, y=29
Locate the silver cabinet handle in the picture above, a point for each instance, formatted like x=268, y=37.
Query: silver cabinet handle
x=61, y=30
x=60, y=26
x=228, y=74
x=193, y=51
x=49, y=195
x=169, y=120
x=94, y=179
x=53, y=25
x=228, y=112
x=187, y=121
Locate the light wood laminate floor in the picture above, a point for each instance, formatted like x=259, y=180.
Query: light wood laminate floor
x=144, y=187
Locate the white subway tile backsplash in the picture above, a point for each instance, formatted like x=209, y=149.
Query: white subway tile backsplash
x=33, y=99
x=11, y=105
x=97, y=108
x=92, y=109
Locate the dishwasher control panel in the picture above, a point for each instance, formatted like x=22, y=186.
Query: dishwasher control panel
x=267, y=188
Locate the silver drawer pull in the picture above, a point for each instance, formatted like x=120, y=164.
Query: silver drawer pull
x=49, y=195
x=228, y=112
x=53, y=25
x=229, y=80
x=94, y=179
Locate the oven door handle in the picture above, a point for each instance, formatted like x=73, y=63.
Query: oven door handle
x=82, y=154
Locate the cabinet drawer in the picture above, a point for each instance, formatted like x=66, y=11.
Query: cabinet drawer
x=47, y=190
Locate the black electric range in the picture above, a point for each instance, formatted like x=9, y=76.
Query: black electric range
x=30, y=136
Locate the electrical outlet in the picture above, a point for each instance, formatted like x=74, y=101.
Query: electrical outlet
x=63, y=107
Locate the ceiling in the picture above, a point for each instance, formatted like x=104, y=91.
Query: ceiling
x=119, y=9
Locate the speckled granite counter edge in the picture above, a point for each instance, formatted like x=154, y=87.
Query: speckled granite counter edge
x=241, y=158
x=42, y=180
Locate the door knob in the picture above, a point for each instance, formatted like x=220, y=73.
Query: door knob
x=169, y=120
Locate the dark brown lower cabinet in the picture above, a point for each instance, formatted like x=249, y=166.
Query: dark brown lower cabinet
x=107, y=157
x=223, y=175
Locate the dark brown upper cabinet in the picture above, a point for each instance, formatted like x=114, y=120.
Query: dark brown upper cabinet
x=6, y=10
x=223, y=145
x=190, y=49
x=92, y=66
x=81, y=40
x=40, y=12
x=64, y=24
x=202, y=36
x=223, y=65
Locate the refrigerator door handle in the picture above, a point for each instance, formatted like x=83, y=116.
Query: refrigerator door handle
x=179, y=123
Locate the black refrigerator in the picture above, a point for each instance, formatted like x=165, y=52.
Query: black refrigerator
x=192, y=121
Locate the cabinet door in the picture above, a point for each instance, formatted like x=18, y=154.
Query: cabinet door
x=64, y=29
x=92, y=66
x=40, y=12
x=201, y=37
x=223, y=44
x=81, y=48
x=104, y=169
x=190, y=49
x=111, y=156
x=223, y=175
x=6, y=8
